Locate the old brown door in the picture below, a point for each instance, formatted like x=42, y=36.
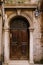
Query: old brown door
x=19, y=44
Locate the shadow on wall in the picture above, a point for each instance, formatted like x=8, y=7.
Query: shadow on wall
x=42, y=28
x=41, y=6
x=39, y=62
x=0, y=62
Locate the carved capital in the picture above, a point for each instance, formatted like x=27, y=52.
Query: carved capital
x=31, y=29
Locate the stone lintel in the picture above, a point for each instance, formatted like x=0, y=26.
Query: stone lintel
x=22, y=6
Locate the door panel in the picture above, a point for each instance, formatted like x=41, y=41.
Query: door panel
x=19, y=41
x=19, y=44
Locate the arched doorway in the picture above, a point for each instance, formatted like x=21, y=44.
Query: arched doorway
x=24, y=26
x=19, y=38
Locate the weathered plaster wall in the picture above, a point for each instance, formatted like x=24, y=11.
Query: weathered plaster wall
x=37, y=39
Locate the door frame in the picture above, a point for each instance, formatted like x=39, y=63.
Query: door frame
x=20, y=29
x=7, y=41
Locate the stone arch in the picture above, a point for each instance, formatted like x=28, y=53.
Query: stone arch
x=29, y=19
x=20, y=17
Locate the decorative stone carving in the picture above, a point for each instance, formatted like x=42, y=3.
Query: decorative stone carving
x=18, y=11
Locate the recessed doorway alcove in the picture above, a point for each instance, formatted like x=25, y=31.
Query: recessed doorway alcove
x=19, y=38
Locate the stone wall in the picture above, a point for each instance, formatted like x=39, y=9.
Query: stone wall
x=37, y=39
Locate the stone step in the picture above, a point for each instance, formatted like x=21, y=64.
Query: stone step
x=23, y=64
x=20, y=63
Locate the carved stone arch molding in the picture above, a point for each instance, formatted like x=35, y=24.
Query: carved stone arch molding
x=7, y=40
x=25, y=15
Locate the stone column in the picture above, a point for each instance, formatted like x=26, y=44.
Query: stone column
x=6, y=45
x=6, y=40
x=1, y=51
x=31, y=45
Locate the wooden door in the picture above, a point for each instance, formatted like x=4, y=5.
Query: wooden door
x=19, y=43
